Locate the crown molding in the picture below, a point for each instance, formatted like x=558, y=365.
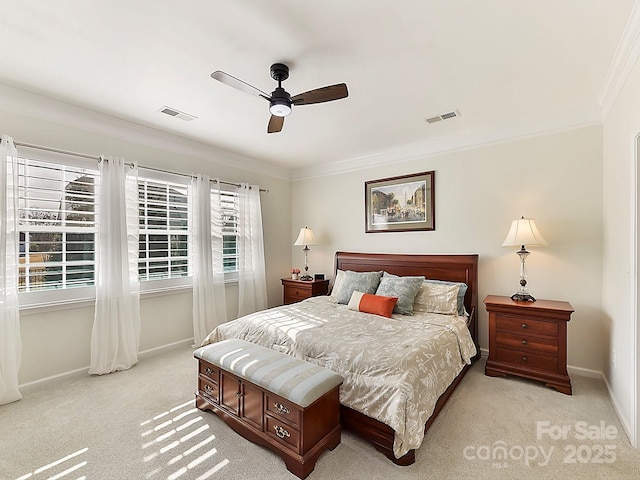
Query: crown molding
x=438, y=146
x=623, y=61
x=13, y=99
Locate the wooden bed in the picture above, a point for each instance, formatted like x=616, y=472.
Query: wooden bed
x=455, y=268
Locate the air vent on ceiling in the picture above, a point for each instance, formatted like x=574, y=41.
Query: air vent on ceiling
x=442, y=116
x=177, y=114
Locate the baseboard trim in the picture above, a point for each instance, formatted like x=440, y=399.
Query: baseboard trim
x=584, y=372
x=59, y=376
x=143, y=354
x=179, y=343
x=616, y=408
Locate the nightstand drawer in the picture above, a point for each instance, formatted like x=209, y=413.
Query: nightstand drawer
x=526, y=325
x=298, y=293
x=298, y=290
x=526, y=343
x=529, y=359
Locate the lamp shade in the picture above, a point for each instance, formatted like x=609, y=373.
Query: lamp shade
x=524, y=232
x=306, y=237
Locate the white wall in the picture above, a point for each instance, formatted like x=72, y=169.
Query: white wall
x=556, y=179
x=58, y=341
x=620, y=183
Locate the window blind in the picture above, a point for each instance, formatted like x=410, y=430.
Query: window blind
x=57, y=205
x=164, y=229
x=229, y=207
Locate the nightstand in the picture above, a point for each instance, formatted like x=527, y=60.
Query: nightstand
x=529, y=339
x=296, y=290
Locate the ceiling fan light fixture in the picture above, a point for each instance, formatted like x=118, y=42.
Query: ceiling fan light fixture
x=280, y=108
x=280, y=101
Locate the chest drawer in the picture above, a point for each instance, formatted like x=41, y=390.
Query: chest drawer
x=527, y=325
x=208, y=388
x=283, y=433
x=207, y=370
x=527, y=343
x=529, y=359
x=283, y=410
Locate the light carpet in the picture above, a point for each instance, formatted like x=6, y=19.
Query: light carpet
x=142, y=424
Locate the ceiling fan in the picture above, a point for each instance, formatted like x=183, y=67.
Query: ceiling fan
x=280, y=101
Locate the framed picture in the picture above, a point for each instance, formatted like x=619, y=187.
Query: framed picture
x=400, y=204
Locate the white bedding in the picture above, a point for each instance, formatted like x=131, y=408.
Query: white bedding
x=394, y=368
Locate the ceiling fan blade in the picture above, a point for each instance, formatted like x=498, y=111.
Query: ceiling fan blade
x=320, y=95
x=275, y=124
x=238, y=84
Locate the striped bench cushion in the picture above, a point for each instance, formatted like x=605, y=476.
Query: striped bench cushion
x=291, y=378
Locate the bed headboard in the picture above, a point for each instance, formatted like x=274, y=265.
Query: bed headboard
x=454, y=268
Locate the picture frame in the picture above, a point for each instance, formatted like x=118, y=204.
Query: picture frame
x=400, y=204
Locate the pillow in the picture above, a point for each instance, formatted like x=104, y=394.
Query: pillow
x=405, y=288
x=461, y=293
x=365, y=282
x=368, y=303
x=437, y=298
x=337, y=282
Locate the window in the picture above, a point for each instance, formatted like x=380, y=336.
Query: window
x=56, y=225
x=58, y=200
x=229, y=207
x=164, y=230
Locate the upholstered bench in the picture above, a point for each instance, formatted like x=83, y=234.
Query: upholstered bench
x=276, y=400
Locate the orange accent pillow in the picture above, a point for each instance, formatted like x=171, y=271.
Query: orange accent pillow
x=369, y=303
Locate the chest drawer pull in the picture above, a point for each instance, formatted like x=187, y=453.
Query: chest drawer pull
x=208, y=371
x=281, y=432
x=524, y=358
x=524, y=325
x=208, y=389
x=281, y=409
x=524, y=342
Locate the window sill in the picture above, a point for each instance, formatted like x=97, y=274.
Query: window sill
x=89, y=301
x=44, y=307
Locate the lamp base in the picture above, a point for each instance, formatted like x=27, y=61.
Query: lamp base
x=522, y=297
x=306, y=278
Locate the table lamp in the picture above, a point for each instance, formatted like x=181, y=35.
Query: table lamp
x=306, y=238
x=523, y=232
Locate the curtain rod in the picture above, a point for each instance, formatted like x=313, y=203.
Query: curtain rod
x=99, y=158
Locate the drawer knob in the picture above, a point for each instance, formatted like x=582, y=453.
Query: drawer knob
x=208, y=389
x=208, y=371
x=281, y=432
x=524, y=359
x=524, y=342
x=524, y=325
x=281, y=409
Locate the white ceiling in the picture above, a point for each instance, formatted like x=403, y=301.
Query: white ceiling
x=501, y=63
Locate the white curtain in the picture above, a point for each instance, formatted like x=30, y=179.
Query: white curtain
x=10, y=341
x=209, y=302
x=116, y=329
x=252, y=284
